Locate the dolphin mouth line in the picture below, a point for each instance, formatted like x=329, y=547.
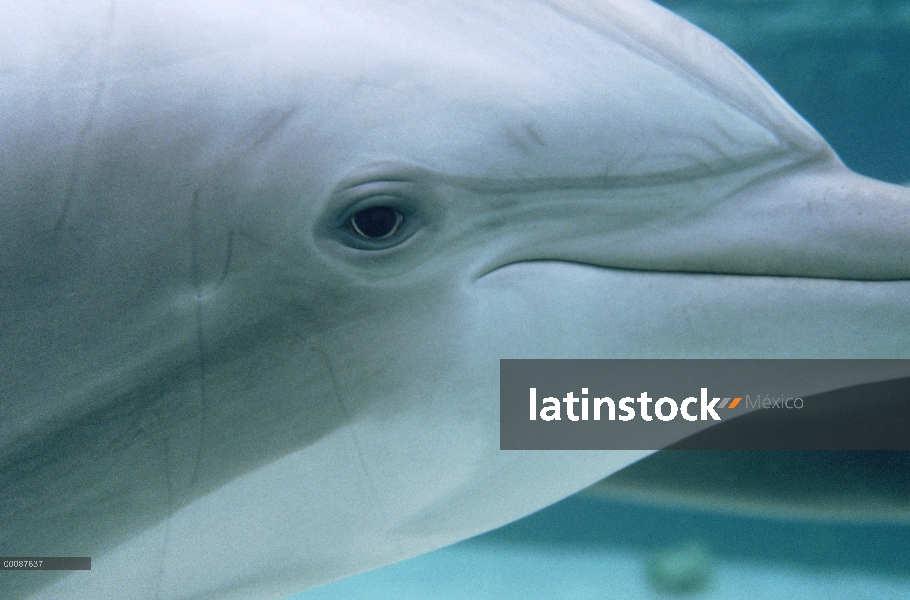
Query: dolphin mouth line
x=657, y=271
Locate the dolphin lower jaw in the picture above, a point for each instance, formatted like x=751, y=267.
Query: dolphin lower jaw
x=680, y=315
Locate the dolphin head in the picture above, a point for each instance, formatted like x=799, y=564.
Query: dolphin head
x=598, y=142
x=278, y=249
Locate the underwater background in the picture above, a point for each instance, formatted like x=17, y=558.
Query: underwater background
x=845, y=66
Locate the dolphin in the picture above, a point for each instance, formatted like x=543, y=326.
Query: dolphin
x=260, y=261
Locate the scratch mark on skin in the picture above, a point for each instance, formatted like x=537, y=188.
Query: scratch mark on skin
x=200, y=342
x=526, y=139
x=517, y=142
x=534, y=135
x=375, y=496
x=100, y=88
x=268, y=126
x=170, y=452
x=227, y=260
x=77, y=157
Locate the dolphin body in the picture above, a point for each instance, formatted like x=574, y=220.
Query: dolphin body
x=260, y=259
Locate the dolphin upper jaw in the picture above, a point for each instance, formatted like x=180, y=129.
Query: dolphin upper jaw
x=811, y=218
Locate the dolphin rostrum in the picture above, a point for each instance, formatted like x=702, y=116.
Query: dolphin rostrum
x=260, y=261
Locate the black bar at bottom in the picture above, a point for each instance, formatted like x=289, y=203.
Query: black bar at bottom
x=46, y=563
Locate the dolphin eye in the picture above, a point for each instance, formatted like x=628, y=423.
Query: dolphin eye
x=376, y=222
x=384, y=210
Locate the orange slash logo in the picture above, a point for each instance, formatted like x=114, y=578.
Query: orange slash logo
x=733, y=404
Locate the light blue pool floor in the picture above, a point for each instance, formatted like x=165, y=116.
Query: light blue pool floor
x=489, y=572
x=582, y=549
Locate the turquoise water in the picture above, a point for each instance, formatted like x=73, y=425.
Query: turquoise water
x=530, y=574
x=584, y=548
x=842, y=64
x=845, y=66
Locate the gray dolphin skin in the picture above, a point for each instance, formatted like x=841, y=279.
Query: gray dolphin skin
x=260, y=259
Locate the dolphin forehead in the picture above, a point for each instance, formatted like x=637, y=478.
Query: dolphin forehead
x=512, y=89
x=521, y=90
x=508, y=90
